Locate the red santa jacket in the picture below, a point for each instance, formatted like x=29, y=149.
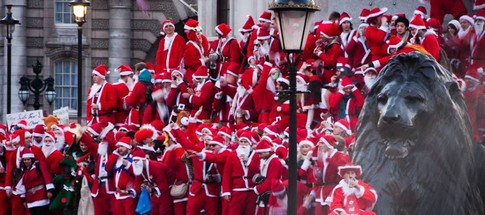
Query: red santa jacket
x=193, y=59
x=160, y=176
x=329, y=58
x=352, y=108
x=271, y=169
x=172, y=157
x=343, y=197
x=169, y=53
x=431, y=44
x=134, y=101
x=175, y=100
x=263, y=97
x=478, y=52
x=124, y=179
x=106, y=99
x=245, y=106
x=237, y=176
x=14, y=161
x=376, y=39
x=358, y=51
x=120, y=113
x=154, y=111
x=35, y=183
x=53, y=160
x=230, y=55
x=439, y=8
x=203, y=97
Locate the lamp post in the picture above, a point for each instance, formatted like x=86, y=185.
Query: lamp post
x=294, y=19
x=79, y=9
x=37, y=86
x=10, y=22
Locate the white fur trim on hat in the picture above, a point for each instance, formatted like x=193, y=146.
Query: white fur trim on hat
x=340, y=125
x=306, y=142
x=381, y=11
x=344, y=20
x=467, y=18
x=263, y=150
x=123, y=144
x=28, y=155
x=326, y=142
x=284, y=80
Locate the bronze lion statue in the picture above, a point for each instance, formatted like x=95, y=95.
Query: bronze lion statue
x=414, y=141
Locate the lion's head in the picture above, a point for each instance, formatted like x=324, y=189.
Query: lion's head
x=414, y=127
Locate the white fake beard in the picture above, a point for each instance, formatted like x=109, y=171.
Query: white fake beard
x=369, y=81
x=478, y=29
x=240, y=91
x=244, y=37
x=462, y=33
x=47, y=150
x=94, y=90
x=243, y=150
x=270, y=85
x=60, y=142
x=135, y=78
x=264, y=49
x=130, y=83
x=199, y=86
x=138, y=167
x=103, y=148
x=165, y=93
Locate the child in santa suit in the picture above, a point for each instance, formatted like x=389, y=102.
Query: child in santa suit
x=35, y=186
x=352, y=196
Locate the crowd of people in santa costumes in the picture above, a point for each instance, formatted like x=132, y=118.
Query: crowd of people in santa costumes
x=205, y=128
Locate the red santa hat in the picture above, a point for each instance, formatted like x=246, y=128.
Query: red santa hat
x=19, y=136
x=265, y=17
x=158, y=78
x=191, y=24
x=417, y=23
x=246, y=135
x=364, y=13
x=280, y=150
x=468, y=18
x=263, y=33
x=343, y=62
x=349, y=167
x=248, y=25
x=150, y=67
x=96, y=128
x=272, y=130
x=22, y=124
x=277, y=188
x=223, y=29
x=143, y=134
x=138, y=155
x=157, y=125
x=217, y=140
x=224, y=131
x=177, y=72
x=370, y=70
x=50, y=134
x=344, y=17
x=264, y=145
x=39, y=130
x=283, y=80
x=202, y=72
x=394, y=42
x=124, y=70
x=119, y=135
x=345, y=125
x=124, y=142
x=328, y=140
x=101, y=71
x=306, y=142
x=375, y=12
x=27, y=153
x=420, y=10
x=166, y=23
x=249, y=78
x=328, y=29
x=435, y=25
x=480, y=15
x=398, y=15
x=346, y=82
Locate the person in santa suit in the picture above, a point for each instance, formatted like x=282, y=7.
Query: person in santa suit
x=203, y=94
x=352, y=196
x=245, y=31
x=100, y=145
x=329, y=50
x=136, y=100
x=424, y=37
x=478, y=41
x=280, y=111
x=439, y=8
x=264, y=21
x=474, y=100
x=347, y=30
x=347, y=102
x=225, y=54
x=122, y=88
x=357, y=48
x=264, y=92
x=35, y=186
x=311, y=42
x=101, y=97
x=204, y=193
x=21, y=139
x=194, y=52
x=170, y=49
x=172, y=157
x=242, y=108
x=120, y=165
x=4, y=200
x=158, y=109
x=270, y=169
x=52, y=155
x=237, y=186
x=175, y=100
x=157, y=178
x=38, y=135
x=60, y=136
x=377, y=32
x=323, y=173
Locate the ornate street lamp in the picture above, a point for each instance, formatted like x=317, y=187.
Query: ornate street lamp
x=37, y=86
x=293, y=19
x=79, y=9
x=10, y=22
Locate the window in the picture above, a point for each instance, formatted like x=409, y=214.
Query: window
x=66, y=85
x=63, y=12
x=222, y=11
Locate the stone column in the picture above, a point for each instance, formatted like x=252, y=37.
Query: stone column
x=119, y=36
x=207, y=19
